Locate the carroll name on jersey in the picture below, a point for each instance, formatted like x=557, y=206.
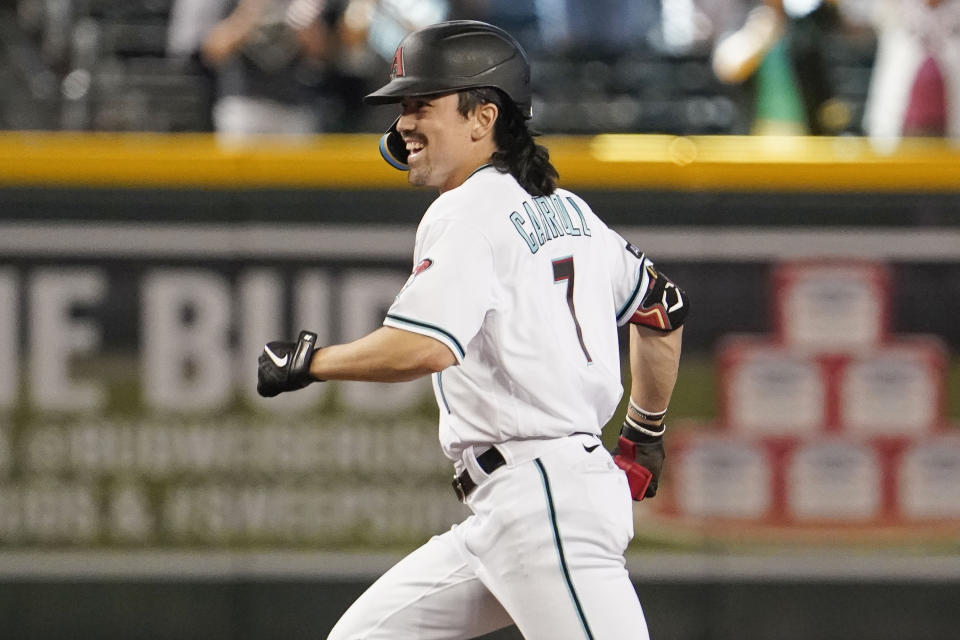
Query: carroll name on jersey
x=548, y=219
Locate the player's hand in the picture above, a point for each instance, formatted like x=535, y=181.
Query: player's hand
x=285, y=366
x=641, y=458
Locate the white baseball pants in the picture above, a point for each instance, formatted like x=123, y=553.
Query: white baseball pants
x=543, y=549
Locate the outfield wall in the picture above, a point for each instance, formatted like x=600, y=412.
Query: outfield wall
x=140, y=275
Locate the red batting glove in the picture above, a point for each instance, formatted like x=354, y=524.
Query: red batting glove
x=638, y=476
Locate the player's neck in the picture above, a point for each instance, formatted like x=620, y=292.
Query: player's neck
x=475, y=154
x=466, y=169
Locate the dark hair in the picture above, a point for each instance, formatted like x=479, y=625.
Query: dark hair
x=517, y=153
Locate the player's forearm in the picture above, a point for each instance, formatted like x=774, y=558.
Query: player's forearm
x=654, y=361
x=386, y=355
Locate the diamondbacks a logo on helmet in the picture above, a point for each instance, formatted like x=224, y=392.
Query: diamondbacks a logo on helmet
x=396, y=69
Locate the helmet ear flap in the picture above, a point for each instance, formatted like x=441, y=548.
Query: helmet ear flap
x=393, y=148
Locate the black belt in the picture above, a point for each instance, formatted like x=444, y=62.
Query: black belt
x=490, y=460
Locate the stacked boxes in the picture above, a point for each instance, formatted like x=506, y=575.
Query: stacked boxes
x=829, y=420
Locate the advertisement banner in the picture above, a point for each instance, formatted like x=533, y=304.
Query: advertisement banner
x=129, y=415
x=128, y=405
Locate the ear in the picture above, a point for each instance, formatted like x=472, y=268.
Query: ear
x=484, y=117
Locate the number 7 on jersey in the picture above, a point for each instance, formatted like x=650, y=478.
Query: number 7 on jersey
x=563, y=270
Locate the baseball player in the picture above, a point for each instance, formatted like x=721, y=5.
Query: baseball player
x=512, y=308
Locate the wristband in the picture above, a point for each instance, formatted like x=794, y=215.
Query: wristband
x=652, y=416
x=636, y=432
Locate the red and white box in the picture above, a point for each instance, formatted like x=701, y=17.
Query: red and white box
x=719, y=476
x=894, y=390
x=769, y=389
x=766, y=389
x=831, y=306
x=832, y=480
x=820, y=481
x=929, y=479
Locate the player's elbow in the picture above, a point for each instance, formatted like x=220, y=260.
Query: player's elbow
x=427, y=354
x=437, y=358
x=417, y=366
x=408, y=355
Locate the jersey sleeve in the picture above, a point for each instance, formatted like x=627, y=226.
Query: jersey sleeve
x=629, y=270
x=451, y=288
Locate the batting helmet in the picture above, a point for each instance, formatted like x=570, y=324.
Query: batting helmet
x=455, y=55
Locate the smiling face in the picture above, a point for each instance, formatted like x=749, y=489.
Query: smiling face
x=445, y=146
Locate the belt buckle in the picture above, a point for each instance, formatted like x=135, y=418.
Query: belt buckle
x=458, y=488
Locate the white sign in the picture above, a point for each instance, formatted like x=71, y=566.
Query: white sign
x=834, y=480
x=724, y=479
x=893, y=392
x=200, y=335
x=774, y=392
x=833, y=308
x=930, y=480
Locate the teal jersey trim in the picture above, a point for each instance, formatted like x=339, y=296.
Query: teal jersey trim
x=449, y=337
x=563, y=559
x=443, y=396
x=632, y=303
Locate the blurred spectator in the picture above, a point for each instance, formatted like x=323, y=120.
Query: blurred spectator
x=370, y=33
x=915, y=85
x=723, y=17
x=518, y=17
x=686, y=26
x=777, y=56
x=597, y=28
x=380, y=25
x=267, y=57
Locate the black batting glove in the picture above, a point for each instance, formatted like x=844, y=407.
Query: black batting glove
x=640, y=455
x=285, y=366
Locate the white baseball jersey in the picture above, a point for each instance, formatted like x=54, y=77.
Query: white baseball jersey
x=520, y=288
x=527, y=293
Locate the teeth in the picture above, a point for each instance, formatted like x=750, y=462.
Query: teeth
x=414, y=147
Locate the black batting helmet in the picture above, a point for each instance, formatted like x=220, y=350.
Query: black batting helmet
x=455, y=55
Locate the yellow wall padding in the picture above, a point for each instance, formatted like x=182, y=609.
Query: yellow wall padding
x=619, y=162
